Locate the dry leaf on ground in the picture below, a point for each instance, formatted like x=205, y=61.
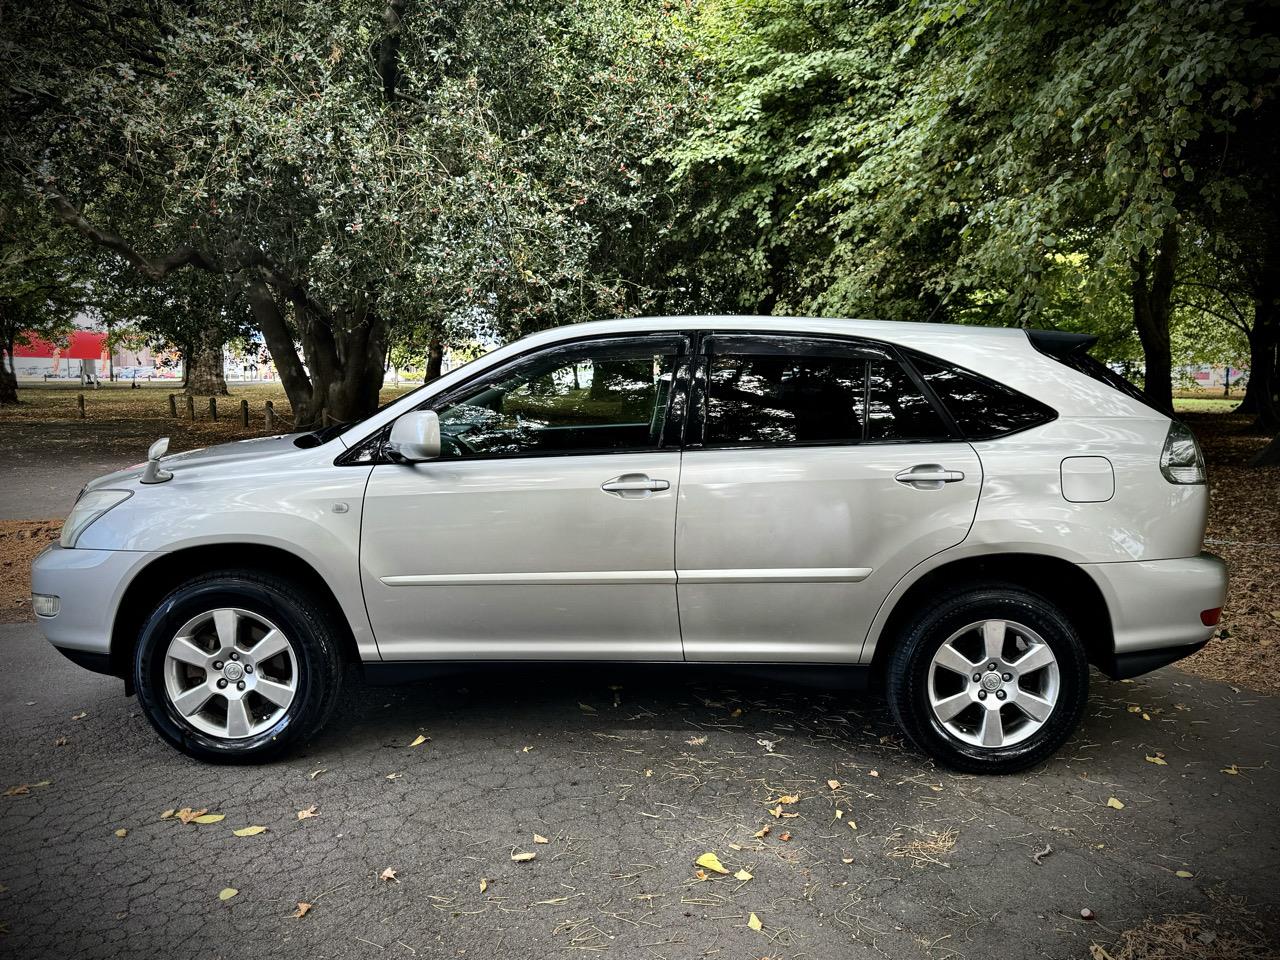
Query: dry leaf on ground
x=122, y=833
x=301, y=911
x=523, y=857
x=754, y=923
x=249, y=831
x=711, y=862
x=1115, y=804
x=227, y=893
x=389, y=874
x=418, y=741
x=307, y=814
x=539, y=838
x=187, y=815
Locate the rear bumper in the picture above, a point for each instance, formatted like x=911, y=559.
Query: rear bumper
x=1155, y=608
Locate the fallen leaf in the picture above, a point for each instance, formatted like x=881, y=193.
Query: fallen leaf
x=418, y=741
x=1134, y=708
x=122, y=833
x=737, y=712
x=1158, y=759
x=167, y=814
x=526, y=749
x=1184, y=874
x=484, y=884
x=186, y=814
x=61, y=742
x=700, y=874
x=249, y=831
x=42, y=783
x=742, y=875
x=586, y=707
x=308, y=813
x=1146, y=716
x=210, y=818
x=874, y=773
x=21, y=790
x=301, y=911
x=853, y=824
x=1114, y=804
x=523, y=857
x=394, y=776
x=227, y=893
x=1233, y=770
x=833, y=784
x=762, y=832
x=789, y=798
x=315, y=773
x=846, y=859
x=696, y=741
x=388, y=875
x=768, y=745
x=539, y=838
x=776, y=811
x=754, y=922
x=80, y=716
x=784, y=836
x=711, y=862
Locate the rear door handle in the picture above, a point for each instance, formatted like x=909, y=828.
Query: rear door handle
x=928, y=476
x=633, y=485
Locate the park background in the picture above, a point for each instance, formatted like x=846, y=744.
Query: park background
x=321, y=204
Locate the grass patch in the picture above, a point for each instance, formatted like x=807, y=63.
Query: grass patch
x=1204, y=405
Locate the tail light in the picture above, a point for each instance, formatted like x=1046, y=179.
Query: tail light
x=1180, y=460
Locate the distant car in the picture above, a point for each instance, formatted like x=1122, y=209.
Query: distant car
x=968, y=517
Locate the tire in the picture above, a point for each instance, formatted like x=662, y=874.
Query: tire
x=256, y=704
x=920, y=674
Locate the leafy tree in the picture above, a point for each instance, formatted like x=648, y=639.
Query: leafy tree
x=910, y=161
x=39, y=292
x=355, y=167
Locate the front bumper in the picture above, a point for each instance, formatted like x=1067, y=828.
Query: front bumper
x=90, y=585
x=1155, y=609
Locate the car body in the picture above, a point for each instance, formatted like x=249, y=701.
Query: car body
x=769, y=491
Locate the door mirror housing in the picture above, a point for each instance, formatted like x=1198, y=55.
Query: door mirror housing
x=415, y=437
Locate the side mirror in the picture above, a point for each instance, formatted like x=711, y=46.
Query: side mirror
x=415, y=437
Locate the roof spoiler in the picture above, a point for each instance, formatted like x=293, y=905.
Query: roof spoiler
x=1060, y=342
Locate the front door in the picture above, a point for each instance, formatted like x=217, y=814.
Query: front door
x=546, y=528
x=818, y=473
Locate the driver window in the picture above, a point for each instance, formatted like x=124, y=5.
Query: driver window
x=585, y=398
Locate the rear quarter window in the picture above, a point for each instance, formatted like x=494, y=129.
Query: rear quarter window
x=982, y=408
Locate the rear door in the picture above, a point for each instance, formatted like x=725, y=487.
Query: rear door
x=817, y=471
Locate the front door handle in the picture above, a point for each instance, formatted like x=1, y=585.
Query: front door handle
x=633, y=486
x=928, y=476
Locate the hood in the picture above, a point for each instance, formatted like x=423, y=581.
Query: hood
x=237, y=452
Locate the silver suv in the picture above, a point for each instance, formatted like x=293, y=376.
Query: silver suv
x=967, y=516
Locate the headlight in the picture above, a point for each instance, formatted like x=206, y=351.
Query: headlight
x=89, y=508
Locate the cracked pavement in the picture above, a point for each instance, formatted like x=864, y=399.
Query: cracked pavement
x=610, y=765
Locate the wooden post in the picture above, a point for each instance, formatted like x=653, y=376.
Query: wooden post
x=191, y=406
x=173, y=403
x=271, y=416
x=80, y=403
x=244, y=413
x=213, y=408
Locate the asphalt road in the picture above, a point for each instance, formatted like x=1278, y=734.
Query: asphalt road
x=629, y=777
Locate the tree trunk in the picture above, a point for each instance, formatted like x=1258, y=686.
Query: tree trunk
x=1152, y=292
x=205, y=374
x=1264, y=359
x=435, y=360
x=8, y=375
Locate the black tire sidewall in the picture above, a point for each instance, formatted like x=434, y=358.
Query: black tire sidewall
x=909, y=673
x=311, y=646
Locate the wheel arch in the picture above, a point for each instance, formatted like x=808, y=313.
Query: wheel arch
x=1059, y=581
x=154, y=581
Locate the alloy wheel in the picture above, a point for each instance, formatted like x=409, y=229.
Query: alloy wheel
x=993, y=683
x=230, y=673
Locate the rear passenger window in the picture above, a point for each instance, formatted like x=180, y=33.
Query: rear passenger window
x=981, y=408
x=784, y=399
x=898, y=409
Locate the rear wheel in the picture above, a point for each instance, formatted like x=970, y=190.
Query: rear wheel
x=237, y=666
x=989, y=680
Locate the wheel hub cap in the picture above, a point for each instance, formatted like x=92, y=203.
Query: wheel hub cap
x=993, y=683
x=230, y=673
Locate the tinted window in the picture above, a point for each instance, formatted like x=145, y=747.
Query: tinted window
x=898, y=409
x=593, y=397
x=784, y=399
x=980, y=407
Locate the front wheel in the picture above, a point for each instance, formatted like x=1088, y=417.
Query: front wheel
x=237, y=666
x=989, y=680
